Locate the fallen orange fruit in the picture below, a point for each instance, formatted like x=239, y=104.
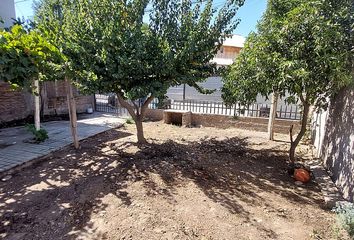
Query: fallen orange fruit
x=302, y=175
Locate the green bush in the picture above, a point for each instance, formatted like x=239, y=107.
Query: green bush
x=345, y=216
x=129, y=121
x=39, y=135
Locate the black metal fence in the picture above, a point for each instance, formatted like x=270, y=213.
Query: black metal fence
x=109, y=103
x=252, y=110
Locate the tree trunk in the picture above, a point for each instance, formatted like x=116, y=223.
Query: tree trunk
x=72, y=113
x=298, y=138
x=140, y=131
x=137, y=115
x=272, y=115
x=37, y=116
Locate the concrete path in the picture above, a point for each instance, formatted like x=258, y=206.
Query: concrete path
x=14, y=151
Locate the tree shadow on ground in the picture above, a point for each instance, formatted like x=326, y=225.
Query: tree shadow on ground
x=55, y=198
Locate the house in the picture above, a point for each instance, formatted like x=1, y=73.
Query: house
x=227, y=54
x=229, y=50
x=224, y=57
x=7, y=12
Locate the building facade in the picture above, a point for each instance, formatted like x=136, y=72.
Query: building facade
x=7, y=13
x=225, y=57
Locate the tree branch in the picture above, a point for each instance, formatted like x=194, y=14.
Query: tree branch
x=145, y=105
x=136, y=108
x=126, y=105
x=291, y=133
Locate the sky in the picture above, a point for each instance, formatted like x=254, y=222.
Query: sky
x=249, y=13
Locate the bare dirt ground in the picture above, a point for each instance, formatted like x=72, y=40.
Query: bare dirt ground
x=188, y=183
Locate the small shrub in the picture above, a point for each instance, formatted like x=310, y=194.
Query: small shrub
x=235, y=117
x=39, y=135
x=345, y=216
x=129, y=121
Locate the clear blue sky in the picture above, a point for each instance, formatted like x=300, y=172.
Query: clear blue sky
x=249, y=13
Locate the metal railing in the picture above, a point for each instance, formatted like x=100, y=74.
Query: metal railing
x=109, y=103
x=252, y=110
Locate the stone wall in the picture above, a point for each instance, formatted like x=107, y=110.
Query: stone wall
x=17, y=105
x=337, y=150
x=221, y=121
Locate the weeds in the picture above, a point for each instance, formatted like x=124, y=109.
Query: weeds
x=345, y=217
x=129, y=121
x=39, y=135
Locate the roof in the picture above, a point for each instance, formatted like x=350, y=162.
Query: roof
x=234, y=41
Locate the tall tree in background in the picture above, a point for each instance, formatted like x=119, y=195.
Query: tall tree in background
x=302, y=50
x=138, y=49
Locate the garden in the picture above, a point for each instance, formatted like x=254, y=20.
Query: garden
x=187, y=183
x=149, y=180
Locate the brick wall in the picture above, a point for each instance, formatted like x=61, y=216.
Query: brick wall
x=55, y=101
x=16, y=105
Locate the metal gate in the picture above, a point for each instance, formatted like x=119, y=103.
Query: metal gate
x=109, y=103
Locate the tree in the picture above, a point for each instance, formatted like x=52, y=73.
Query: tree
x=55, y=24
x=302, y=50
x=26, y=58
x=138, y=49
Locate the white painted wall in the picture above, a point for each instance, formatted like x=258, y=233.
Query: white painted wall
x=7, y=12
x=318, y=128
x=333, y=137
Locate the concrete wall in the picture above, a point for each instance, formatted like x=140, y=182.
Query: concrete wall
x=7, y=12
x=335, y=144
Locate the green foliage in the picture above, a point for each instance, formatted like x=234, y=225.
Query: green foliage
x=345, y=216
x=129, y=121
x=302, y=49
x=26, y=56
x=132, y=57
x=39, y=135
x=57, y=25
x=138, y=60
x=162, y=102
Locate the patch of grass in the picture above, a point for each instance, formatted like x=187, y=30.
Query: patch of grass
x=39, y=135
x=235, y=117
x=129, y=121
x=345, y=217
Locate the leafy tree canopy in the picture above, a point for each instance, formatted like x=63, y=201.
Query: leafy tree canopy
x=27, y=56
x=302, y=49
x=137, y=55
x=139, y=48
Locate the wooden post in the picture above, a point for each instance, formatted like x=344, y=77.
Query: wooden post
x=37, y=117
x=272, y=115
x=72, y=112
